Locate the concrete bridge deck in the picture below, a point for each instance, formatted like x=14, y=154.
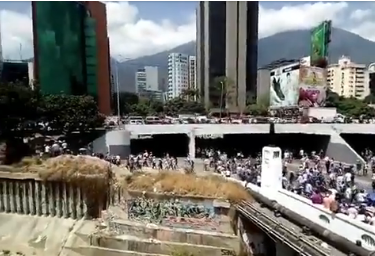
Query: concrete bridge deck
x=207, y=129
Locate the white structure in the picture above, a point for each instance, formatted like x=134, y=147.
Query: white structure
x=192, y=73
x=149, y=94
x=305, y=61
x=30, y=69
x=348, y=79
x=271, y=176
x=147, y=79
x=178, y=74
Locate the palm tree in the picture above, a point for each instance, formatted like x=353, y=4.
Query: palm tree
x=222, y=91
x=190, y=94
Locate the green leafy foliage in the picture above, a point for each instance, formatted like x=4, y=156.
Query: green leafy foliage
x=18, y=106
x=131, y=104
x=350, y=107
x=67, y=113
x=23, y=108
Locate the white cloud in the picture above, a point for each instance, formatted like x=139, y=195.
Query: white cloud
x=304, y=16
x=16, y=35
x=360, y=14
x=132, y=36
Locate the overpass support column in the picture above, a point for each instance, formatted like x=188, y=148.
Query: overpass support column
x=192, y=144
x=283, y=250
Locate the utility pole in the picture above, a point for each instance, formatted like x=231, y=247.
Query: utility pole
x=117, y=92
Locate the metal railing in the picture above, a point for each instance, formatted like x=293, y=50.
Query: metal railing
x=295, y=240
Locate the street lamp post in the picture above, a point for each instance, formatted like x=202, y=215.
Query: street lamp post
x=117, y=92
x=118, y=85
x=221, y=97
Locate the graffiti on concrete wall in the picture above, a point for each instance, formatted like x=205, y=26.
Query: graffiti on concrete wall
x=169, y=212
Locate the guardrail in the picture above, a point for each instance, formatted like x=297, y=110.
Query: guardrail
x=294, y=240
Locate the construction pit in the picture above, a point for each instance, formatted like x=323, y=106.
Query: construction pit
x=106, y=213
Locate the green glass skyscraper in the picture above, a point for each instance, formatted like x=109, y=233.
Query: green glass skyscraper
x=66, y=54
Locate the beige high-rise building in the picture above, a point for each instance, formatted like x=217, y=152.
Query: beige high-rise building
x=348, y=79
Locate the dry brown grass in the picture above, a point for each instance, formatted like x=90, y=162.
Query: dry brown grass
x=88, y=172
x=187, y=185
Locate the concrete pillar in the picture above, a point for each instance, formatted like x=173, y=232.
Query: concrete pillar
x=118, y=143
x=231, y=54
x=283, y=250
x=192, y=144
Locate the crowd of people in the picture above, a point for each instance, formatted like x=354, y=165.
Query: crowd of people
x=148, y=160
x=334, y=187
x=317, y=177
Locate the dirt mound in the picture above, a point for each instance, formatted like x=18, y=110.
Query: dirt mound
x=187, y=185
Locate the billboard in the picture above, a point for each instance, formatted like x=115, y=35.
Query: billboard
x=312, y=87
x=320, y=38
x=284, y=86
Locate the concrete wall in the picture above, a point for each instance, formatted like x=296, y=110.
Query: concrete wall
x=342, y=151
x=175, y=211
x=116, y=142
x=29, y=195
x=201, y=129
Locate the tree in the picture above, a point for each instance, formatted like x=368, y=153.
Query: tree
x=126, y=99
x=369, y=99
x=19, y=109
x=68, y=113
x=350, y=107
x=19, y=105
x=332, y=99
x=190, y=94
x=257, y=110
x=182, y=106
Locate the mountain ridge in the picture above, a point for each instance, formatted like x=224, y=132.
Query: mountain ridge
x=289, y=45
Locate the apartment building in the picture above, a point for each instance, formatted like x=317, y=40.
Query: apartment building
x=178, y=74
x=147, y=79
x=348, y=79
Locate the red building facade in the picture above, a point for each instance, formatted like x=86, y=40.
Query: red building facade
x=98, y=11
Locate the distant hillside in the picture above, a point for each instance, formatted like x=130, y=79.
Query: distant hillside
x=289, y=45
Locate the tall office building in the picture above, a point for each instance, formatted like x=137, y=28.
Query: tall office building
x=227, y=45
x=1, y=54
x=348, y=79
x=147, y=79
x=71, y=49
x=192, y=73
x=178, y=74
